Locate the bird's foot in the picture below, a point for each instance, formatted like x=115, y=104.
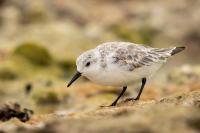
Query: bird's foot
x=132, y=99
x=111, y=105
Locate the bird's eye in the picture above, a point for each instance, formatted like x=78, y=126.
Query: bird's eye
x=87, y=64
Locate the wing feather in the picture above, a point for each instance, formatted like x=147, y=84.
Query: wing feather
x=137, y=57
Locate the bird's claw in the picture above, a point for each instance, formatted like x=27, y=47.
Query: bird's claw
x=112, y=105
x=131, y=99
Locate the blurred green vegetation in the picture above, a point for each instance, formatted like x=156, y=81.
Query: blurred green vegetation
x=34, y=53
x=7, y=73
x=48, y=96
x=143, y=35
x=30, y=59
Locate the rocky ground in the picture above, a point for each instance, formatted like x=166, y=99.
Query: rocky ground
x=176, y=114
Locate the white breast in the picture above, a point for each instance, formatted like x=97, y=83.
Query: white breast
x=112, y=75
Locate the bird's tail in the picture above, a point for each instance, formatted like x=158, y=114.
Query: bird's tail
x=177, y=50
x=167, y=52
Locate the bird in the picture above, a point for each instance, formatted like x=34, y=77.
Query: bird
x=120, y=64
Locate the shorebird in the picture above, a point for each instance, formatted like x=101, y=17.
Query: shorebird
x=121, y=64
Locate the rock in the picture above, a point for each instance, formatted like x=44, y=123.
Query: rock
x=184, y=74
x=147, y=120
x=194, y=122
x=193, y=99
x=134, y=117
x=12, y=110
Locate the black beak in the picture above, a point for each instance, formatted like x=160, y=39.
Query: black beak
x=75, y=77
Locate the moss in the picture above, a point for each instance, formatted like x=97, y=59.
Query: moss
x=7, y=74
x=125, y=32
x=68, y=67
x=46, y=96
x=147, y=34
x=49, y=96
x=144, y=34
x=34, y=53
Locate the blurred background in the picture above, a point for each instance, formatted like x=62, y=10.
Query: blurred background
x=41, y=39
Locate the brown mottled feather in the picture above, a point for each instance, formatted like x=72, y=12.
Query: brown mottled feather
x=132, y=56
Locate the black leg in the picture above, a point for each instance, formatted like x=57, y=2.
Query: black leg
x=141, y=89
x=115, y=102
x=140, y=92
x=123, y=90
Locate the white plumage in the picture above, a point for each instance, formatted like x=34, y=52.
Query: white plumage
x=121, y=63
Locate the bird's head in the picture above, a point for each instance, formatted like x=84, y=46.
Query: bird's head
x=86, y=64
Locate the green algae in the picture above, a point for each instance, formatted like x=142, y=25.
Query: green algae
x=34, y=53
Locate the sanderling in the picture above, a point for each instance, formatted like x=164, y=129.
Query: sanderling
x=121, y=63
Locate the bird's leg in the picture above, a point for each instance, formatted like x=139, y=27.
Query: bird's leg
x=115, y=102
x=140, y=92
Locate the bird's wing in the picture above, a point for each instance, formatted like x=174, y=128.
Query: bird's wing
x=136, y=56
